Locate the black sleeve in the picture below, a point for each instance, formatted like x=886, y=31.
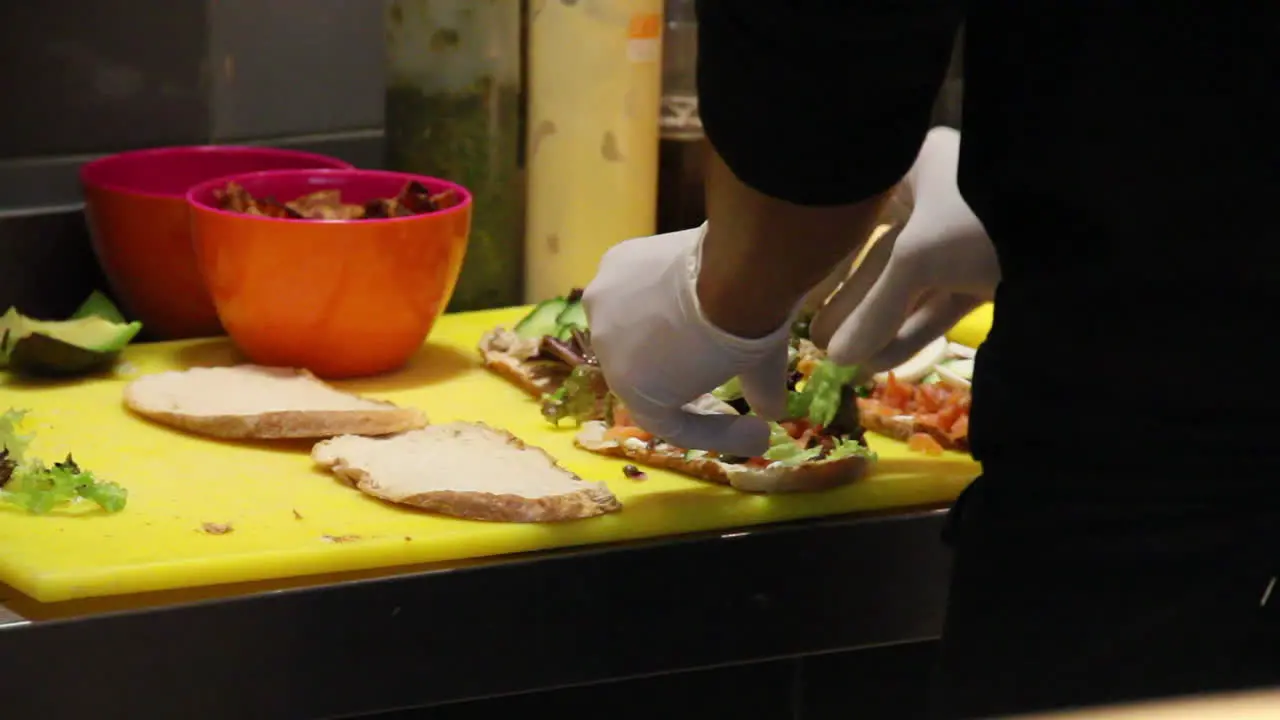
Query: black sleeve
x=825, y=102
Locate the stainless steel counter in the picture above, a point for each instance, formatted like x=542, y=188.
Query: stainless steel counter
x=416, y=637
x=423, y=636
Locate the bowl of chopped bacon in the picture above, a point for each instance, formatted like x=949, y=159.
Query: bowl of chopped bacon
x=340, y=272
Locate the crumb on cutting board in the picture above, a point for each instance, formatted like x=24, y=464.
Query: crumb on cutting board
x=211, y=528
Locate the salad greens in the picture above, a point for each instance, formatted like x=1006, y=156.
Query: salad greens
x=29, y=484
x=578, y=397
x=784, y=450
x=729, y=391
x=820, y=399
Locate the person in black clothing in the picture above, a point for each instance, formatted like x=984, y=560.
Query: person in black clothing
x=1123, y=540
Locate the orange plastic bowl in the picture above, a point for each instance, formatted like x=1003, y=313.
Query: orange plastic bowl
x=341, y=298
x=136, y=206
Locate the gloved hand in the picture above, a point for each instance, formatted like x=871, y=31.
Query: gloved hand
x=916, y=284
x=658, y=352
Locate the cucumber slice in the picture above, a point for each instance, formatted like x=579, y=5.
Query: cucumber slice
x=573, y=315
x=541, y=320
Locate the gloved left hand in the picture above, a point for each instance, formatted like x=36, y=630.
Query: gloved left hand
x=658, y=352
x=914, y=285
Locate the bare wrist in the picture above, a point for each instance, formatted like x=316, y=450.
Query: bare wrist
x=735, y=298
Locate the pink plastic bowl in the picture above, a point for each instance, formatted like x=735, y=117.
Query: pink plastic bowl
x=141, y=228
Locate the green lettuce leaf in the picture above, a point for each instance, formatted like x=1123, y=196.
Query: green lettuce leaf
x=28, y=484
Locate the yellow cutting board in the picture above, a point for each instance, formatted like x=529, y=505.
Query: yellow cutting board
x=289, y=518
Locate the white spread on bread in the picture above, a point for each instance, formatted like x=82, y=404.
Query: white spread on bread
x=245, y=390
x=251, y=401
x=468, y=470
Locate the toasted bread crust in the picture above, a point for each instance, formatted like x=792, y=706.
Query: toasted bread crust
x=516, y=371
x=593, y=500
x=809, y=477
x=290, y=423
x=283, y=424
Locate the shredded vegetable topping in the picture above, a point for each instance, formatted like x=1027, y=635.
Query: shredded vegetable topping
x=579, y=397
x=29, y=484
x=823, y=394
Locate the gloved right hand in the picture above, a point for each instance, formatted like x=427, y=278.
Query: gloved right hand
x=914, y=285
x=658, y=352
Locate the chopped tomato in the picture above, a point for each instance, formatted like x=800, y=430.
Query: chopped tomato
x=949, y=415
x=931, y=397
x=757, y=462
x=796, y=428
x=939, y=411
x=623, y=432
x=924, y=442
x=897, y=394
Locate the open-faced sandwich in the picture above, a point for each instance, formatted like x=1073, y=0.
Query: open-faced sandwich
x=543, y=348
x=820, y=445
x=925, y=401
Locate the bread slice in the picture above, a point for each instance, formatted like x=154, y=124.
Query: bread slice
x=808, y=477
x=467, y=470
x=251, y=401
x=511, y=356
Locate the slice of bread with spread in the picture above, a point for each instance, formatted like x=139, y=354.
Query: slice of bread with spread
x=467, y=470
x=256, y=402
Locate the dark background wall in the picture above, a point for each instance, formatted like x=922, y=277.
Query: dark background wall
x=89, y=78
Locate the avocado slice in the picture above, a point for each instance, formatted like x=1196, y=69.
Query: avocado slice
x=88, y=342
x=99, y=305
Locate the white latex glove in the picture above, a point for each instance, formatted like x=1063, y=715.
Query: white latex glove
x=659, y=353
x=914, y=285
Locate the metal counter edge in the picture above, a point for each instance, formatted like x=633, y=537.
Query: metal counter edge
x=567, y=618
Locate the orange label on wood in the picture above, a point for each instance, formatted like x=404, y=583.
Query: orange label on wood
x=644, y=26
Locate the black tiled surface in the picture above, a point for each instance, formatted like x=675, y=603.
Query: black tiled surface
x=294, y=67
x=109, y=75
x=363, y=149
x=35, y=183
x=53, y=181
x=884, y=683
x=765, y=691
x=99, y=75
x=47, y=266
